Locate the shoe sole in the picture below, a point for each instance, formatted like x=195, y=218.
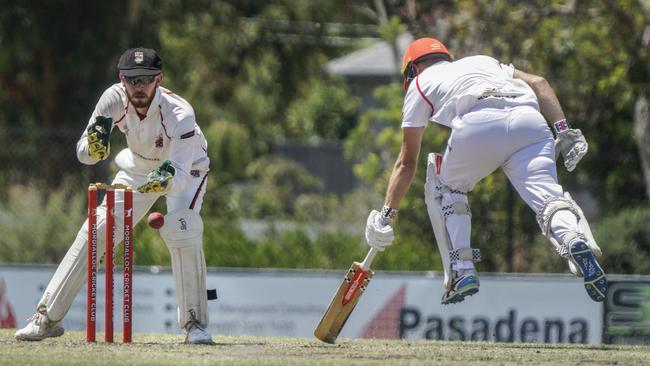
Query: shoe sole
x=594, y=276
x=460, y=296
x=210, y=342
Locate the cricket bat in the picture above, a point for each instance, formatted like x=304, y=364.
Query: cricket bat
x=345, y=299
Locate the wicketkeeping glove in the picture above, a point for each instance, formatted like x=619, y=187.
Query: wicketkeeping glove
x=379, y=230
x=99, y=133
x=158, y=179
x=570, y=143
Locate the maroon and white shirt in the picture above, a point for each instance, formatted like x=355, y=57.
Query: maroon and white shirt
x=168, y=132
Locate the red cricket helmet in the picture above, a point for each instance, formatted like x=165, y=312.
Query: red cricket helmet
x=417, y=49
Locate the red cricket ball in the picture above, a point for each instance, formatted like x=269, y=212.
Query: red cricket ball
x=156, y=220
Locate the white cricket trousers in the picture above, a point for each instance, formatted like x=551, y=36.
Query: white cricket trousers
x=71, y=274
x=519, y=141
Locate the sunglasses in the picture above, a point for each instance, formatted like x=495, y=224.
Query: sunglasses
x=142, y=79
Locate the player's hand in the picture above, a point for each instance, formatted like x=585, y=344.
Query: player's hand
x=158, y=180
x=99, y=133
x=379, y=231
x=572, y=145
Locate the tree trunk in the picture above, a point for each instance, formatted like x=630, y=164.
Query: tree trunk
x=642, y=138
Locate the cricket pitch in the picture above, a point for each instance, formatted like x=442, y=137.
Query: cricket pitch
x=167, y=349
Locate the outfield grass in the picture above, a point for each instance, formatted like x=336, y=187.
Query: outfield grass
x=163, y=349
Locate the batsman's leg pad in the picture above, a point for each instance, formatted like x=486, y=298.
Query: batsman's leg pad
x=544, y=217
x=438, y=213
x=584, y=227
x=183, y=234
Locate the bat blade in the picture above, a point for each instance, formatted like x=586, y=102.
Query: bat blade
x=343, y=302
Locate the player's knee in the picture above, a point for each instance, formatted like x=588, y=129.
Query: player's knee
x=454, y=203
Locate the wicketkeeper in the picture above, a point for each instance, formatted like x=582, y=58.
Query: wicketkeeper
x=498, y=118
x=166, y=156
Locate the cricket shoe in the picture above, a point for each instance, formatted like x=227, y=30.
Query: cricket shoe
x=463, y=286
x=594, y=276
x=39, y=328
x=196, y=334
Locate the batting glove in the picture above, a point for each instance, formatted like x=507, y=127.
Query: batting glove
x=379, y=229
x=570, y=143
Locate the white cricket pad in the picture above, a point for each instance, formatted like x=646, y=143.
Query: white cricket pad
x=550, y=207
x=437, y=214
x=71, y=274
x=183, y=234
x=584, y=227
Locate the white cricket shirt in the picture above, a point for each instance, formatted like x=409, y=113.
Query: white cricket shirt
x=168, y=132
x=446, y=90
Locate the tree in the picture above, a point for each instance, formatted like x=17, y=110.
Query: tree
x=55, y=63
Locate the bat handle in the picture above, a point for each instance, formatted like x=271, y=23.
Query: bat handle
x=369, y=258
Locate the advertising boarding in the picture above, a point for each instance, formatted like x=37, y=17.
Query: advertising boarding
x=508, y=308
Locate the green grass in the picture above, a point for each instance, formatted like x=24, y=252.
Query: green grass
x=163, y=349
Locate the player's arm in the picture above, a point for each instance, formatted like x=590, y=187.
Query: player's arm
x=94, y=144
x=569, y=141
x=405, y=166
x=546, y=97
x=415, y=114
x=379, y=229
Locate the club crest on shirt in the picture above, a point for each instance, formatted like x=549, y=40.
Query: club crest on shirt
x=159, y=141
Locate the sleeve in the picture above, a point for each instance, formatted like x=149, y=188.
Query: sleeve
x=182, y=149
x=417, y=108
x=109, y=105
x=509, y=69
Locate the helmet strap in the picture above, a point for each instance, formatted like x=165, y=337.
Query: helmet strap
x=409, y=74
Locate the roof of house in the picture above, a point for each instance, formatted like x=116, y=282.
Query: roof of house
x=374, y=60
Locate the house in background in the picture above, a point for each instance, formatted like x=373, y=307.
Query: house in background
x=363, y=71
x=370, y=67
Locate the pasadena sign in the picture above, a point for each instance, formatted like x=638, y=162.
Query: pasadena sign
x=289, y=303
x=509, y=328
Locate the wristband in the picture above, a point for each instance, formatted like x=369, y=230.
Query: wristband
x=561, y=125
x=388, y=212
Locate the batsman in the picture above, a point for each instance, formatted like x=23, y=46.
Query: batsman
x=500, y=117
x=166, y=155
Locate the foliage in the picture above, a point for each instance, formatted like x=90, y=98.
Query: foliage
x=279, y=182
x=39, y=228
x=625, y=240
x=54, y=62
x=262, y=66
x=253, y=71
x=229, y=150
x=40, y=231
x=322, y=108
